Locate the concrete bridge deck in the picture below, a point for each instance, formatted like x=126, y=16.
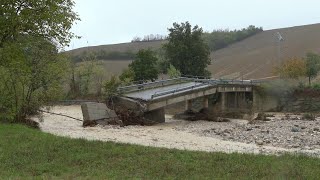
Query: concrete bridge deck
x=165, y=91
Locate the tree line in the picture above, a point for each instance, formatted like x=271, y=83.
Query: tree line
x=148, y=38
x=219, y=39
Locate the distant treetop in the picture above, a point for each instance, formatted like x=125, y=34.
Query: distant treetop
x=150, y=37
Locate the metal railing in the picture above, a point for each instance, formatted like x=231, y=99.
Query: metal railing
x=199, y=79
x=162, y=93
x=150, y=85
x=205, y=82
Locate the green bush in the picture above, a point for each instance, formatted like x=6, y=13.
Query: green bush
x=173, y=72
x=309, y=116
x=316, y=87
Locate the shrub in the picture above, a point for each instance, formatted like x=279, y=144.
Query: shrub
x=309, y=116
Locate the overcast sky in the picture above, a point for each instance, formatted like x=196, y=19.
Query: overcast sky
x=118, y=21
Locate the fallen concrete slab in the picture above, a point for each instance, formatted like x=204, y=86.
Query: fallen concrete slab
x=97, y=113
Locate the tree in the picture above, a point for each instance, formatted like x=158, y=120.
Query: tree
x=51, y=20
x=31, y=69
x=173, y=72
x=144, y=66
x=312, y=65
x=31, y=76
x=111, y=87
x=293, y=69
x=127, y=76
x=186, y=50
x=86, y=76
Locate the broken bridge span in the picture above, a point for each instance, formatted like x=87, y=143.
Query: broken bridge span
x=218, y=96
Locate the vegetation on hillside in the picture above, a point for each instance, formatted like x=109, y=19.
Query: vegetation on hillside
x=29, y=153
x=186, y=50
x=218, y=39
x=312, y=66
x=148, y=38
x=296, y=68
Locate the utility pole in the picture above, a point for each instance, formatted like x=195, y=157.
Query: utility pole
x=279, y=40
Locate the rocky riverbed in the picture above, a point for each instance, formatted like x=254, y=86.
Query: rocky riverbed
x=281, y=130
x=281, y=134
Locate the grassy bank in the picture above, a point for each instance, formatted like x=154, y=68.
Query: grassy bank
x=26, y=152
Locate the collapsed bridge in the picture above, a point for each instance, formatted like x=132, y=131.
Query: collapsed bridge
x=218, y=96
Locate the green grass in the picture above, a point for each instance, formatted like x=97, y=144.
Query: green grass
x=29, y=153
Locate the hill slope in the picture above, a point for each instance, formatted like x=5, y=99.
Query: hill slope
x=123, y=47
x=256, y=56
x=251, y=58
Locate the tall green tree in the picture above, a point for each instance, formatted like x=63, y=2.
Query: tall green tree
x=31, y=76
x=51, y=20
x=187, y=51
x=144, y=66
x=31, y=69
x=312, y=65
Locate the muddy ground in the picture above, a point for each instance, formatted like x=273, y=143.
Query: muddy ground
x=281, y=134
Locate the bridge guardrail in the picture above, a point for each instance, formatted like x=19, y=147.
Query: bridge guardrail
x=154, y=84
x=161, y=83
x=206, y=82
x=162, y=93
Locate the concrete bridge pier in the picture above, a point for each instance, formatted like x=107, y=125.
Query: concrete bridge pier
x=205, y=102
x=223, y=101
x=188, y=105
x=157, y=115
x=232, y=104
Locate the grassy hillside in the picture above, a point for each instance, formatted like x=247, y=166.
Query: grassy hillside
x=30, y=154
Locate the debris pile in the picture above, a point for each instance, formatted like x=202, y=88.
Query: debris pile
x=129, y=114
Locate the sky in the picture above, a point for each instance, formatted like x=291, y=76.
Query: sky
x=118, y=21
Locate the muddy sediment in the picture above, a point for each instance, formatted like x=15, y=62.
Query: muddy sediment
x=275, y=136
